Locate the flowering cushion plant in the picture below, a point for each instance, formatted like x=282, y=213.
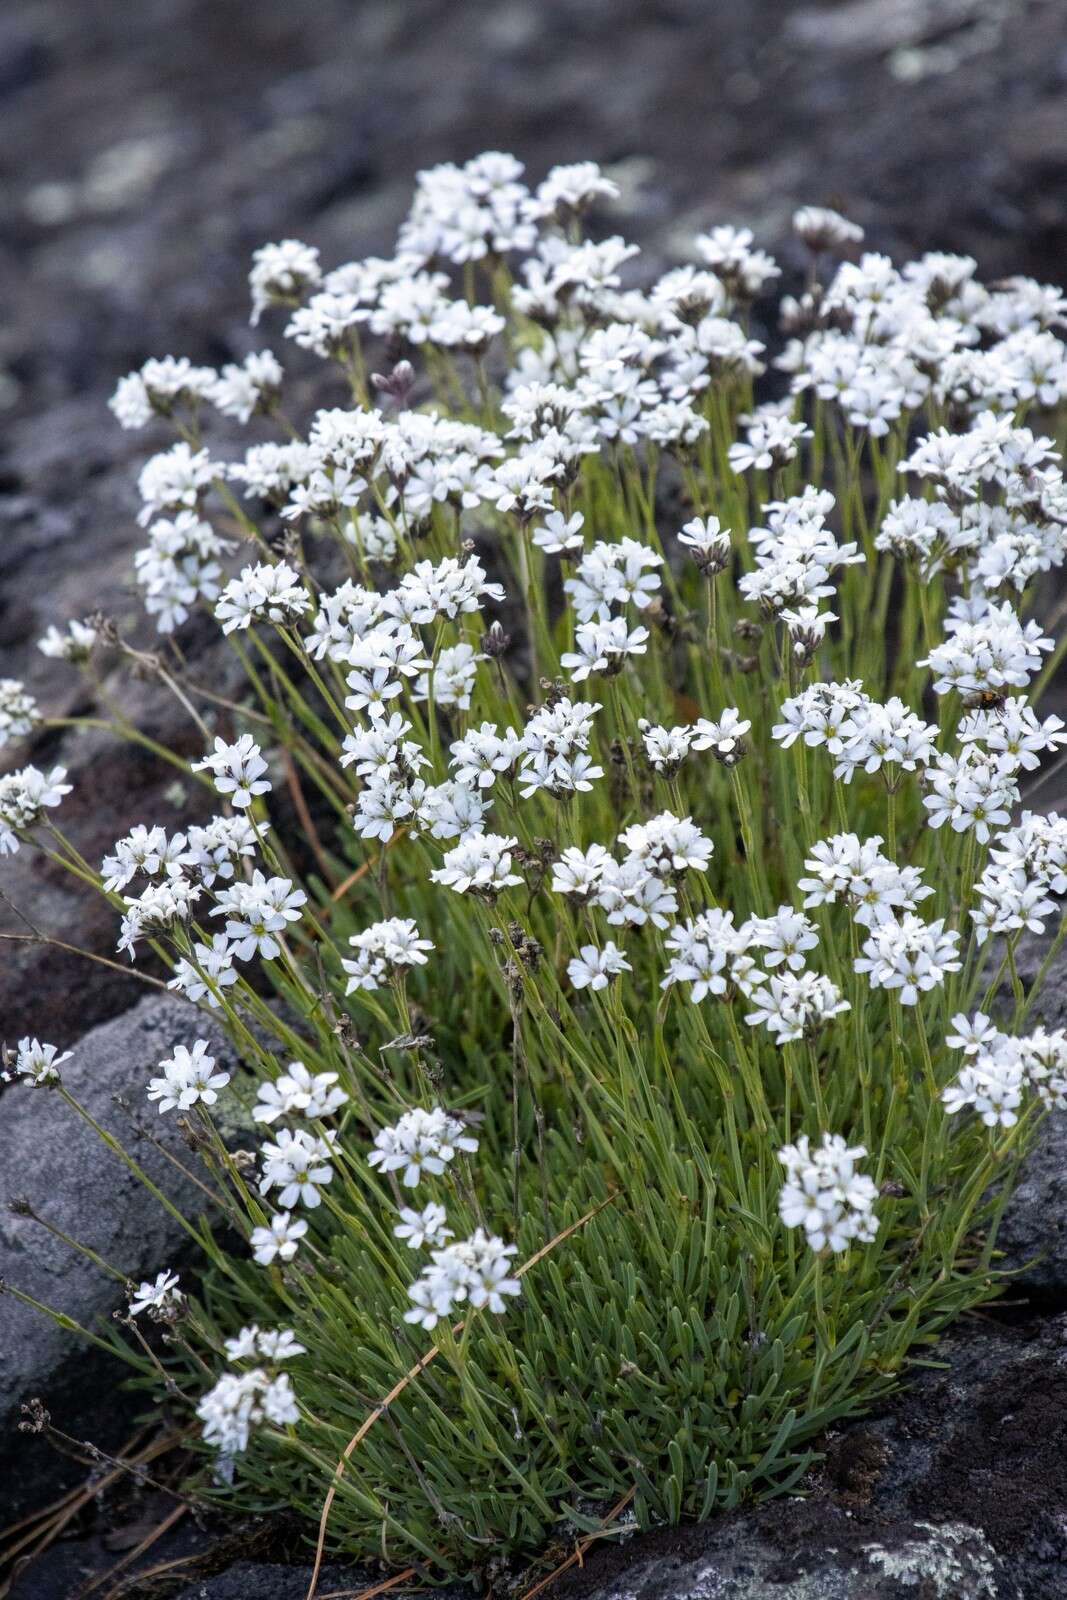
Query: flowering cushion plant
x=634, y=1057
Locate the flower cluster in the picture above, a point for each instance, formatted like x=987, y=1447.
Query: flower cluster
x=630, y=766
x=824, y=1194
x=476, y=1271
x=421, y=1142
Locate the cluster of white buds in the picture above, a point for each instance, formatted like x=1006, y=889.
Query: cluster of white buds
x=18, y=711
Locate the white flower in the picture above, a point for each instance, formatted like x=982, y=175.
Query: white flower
x=188, y=1078
x=483, y=753
x=703, y=949
x=279, y=1239
x=725, y=736
x=256, y=912
x=603, y=647
x=708, y=543
x=823, y=229
x=24, y=798
x=594, y=969
x=422, y=1141
x=273, y=1344
x=298, y=1092
x=421, y=1228
x=241, y=1401
x=479, y=865
x=475, y=1270
x=770, y=443
x=298, y=1164
x=241, y=391
x=210, y=969
x=613, y=575
x=238, y=770
x=791, y=1005
x=265, y=593
x=875, y=888
x=825, y=1195
x=972, y=1033
x=394, y=943
x=666, y=748
x=158, y=1298
x=281, y=273
x=784, y=937
x=578, y=872
x=667, y=844
x=76, y=645
x=909, y=955
x=559, y=535
x=160, y=908
x=37, y=1062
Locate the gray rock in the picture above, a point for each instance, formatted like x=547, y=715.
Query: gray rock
x=916, y=1562
x=259, y=1580
x=1033, y=1230
x=57, y=1163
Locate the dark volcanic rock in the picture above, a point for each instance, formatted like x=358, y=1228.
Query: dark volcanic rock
x=1033, y=1231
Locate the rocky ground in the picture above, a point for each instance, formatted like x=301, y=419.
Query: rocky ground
x=144, y=152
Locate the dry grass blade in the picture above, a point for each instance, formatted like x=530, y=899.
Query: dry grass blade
x=582, y=1546
x=399, y=1387
x=375, y=1588
x=133, y=1555
x=42, y=1528
x=368, y=866
x=300, y=805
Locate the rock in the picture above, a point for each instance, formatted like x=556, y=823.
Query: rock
x=1033, y=1230
x=951, y=1563
x=55, y=1161
x=258, y=1580
x=736, y=1562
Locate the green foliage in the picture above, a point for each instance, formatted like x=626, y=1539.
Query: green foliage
x=673, y=1338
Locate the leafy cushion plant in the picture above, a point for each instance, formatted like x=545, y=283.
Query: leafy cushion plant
x=617, y=861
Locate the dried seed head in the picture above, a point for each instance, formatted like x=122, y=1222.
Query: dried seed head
x=495, y=642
